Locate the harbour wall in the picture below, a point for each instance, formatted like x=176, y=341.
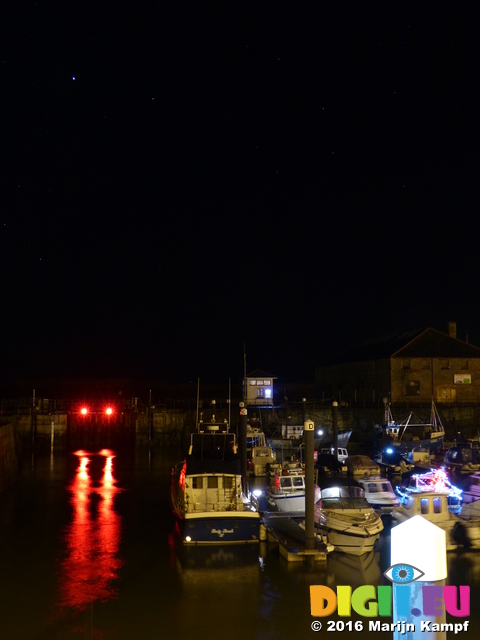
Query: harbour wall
x=172, y=427
x=8, y=456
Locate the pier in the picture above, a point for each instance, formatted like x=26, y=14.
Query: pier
x=286, y=531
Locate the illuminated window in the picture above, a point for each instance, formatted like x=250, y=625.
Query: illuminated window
x=424, y=506
x=252, y=383
x=268, y=393
x=267, y=382
x=259, y=383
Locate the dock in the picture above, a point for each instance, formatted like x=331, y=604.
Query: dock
x=286, y=531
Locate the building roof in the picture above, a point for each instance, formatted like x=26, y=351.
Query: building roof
x=259, y=373
x=420, y=343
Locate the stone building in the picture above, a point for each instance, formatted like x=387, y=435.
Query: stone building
x=408, y=368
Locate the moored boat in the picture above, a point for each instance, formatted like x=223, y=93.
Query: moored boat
x=286, y=489
x=461, y=460
x=379, y=494
x=345, y=517
x=433, y=506
x=207, y=493
x=412, y=432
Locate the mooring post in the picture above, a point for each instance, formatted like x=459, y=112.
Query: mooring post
x=308, y=431
x=418, y=545
x=335, y=428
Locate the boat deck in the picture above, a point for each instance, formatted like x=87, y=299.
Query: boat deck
x=290, y=536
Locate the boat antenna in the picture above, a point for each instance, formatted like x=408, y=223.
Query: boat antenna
x=244, y=374
x=229, y=402
x=198, y=399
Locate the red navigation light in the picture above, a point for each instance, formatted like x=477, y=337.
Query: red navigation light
x=109, y=411
x=84, y=411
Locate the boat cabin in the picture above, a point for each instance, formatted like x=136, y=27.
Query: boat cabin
x=430, y=504
x=288, y=483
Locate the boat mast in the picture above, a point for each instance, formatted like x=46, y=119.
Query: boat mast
x=198, y=398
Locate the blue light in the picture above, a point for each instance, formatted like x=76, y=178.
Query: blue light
x=389, y=451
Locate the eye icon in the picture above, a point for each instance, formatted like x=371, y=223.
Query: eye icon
x=403, y=573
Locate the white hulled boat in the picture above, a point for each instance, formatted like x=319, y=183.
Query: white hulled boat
x=346, y=518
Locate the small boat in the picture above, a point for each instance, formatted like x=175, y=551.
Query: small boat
x=362, y=466
x=262, y=457
x=207, y=492
x=433, y=506
x=412, y=432
x=434, y=480
x=345, y=517
x=286, y=489
x=461, y=460
x=419, y=457
x=379, y=494
x=472, y=494
x=391, y=460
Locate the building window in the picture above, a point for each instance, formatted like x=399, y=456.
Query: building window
x=252, y=383
x=267, y=382
x=413, y=388
x=259, y=383
x=268, y=393
x=405, y=364
x=260, y=393
x=444, y=364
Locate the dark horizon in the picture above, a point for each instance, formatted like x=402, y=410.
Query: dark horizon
x=176, y=184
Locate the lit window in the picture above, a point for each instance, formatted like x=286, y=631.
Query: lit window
x=252, y=383
x=268, y=393
x=267, y=382
x=259, y=383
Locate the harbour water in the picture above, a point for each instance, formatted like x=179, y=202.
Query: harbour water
x=89, y=549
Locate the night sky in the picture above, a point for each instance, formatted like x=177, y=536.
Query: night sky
x=178, y=178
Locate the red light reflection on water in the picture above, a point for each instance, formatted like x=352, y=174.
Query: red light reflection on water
x=93, y=537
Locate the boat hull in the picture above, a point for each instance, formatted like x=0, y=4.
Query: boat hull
x=348, y=542
x=287, y=503
x=221, y=528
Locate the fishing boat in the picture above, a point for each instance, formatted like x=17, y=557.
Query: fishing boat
x=412, y=432
x=379, y=494
x=207, y=492
x=345, y=517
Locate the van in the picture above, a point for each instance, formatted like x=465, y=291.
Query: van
x=342, y=453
